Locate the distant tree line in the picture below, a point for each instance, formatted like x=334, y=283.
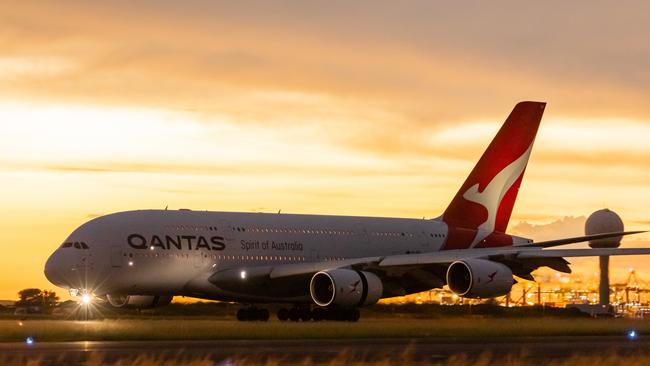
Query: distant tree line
x=37, y=300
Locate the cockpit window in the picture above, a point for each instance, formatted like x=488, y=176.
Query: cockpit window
x=76, y=245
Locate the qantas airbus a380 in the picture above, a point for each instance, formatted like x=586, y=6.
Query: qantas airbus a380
x=324, y=267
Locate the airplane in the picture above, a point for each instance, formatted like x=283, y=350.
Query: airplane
x=322, y=267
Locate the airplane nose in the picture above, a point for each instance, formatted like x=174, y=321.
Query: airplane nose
x=52, y=269
x=73, y=267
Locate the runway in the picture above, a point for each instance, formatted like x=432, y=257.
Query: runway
x=430, y=349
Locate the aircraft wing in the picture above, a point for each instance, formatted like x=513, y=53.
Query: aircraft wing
x=410, y=273
x=424, y=260
x=286, y=270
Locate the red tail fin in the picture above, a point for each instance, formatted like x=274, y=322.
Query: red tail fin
x=484, y=203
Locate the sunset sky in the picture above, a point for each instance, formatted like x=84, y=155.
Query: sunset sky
x=364, y=108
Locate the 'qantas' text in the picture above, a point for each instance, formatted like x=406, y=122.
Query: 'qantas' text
x=167, y=242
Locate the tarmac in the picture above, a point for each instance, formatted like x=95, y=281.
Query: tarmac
x=429, y=349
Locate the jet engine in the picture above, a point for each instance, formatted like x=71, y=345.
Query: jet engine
x=345, y=287
x=479, y=278
x=138, y=301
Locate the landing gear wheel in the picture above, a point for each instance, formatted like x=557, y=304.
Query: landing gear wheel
x=352, y=315
x=294, y=314
x=242, y=315
x=305, y=314
x=318, y=314
x=263, y=315
x=283, y=314
x=334, y=314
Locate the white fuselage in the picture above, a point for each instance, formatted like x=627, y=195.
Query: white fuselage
x=160, y=252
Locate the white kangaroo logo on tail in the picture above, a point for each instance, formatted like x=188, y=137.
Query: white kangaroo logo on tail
x=492, y=195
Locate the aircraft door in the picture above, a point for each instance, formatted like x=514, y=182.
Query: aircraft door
x=198, y=258
x=314, y=255
x=423, y=241
x=225, y=229
x=116, y=256
x=361, y=233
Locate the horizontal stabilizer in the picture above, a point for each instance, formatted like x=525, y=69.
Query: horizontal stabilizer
x=578, y=239
x=552, y=253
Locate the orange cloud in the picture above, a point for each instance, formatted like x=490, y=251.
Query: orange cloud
x=216, y=57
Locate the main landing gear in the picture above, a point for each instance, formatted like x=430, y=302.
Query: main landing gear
x=252, y=313
x=317, y=314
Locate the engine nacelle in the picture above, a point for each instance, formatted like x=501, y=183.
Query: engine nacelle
x=138, y=301
x=479, y=278
x=345, y=287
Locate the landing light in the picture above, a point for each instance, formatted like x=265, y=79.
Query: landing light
x=632, y=335
x=86, y=299
x=29, y=341
x=130, y=263
x=242, y=274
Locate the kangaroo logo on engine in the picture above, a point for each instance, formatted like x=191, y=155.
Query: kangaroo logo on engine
x=180, y=242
